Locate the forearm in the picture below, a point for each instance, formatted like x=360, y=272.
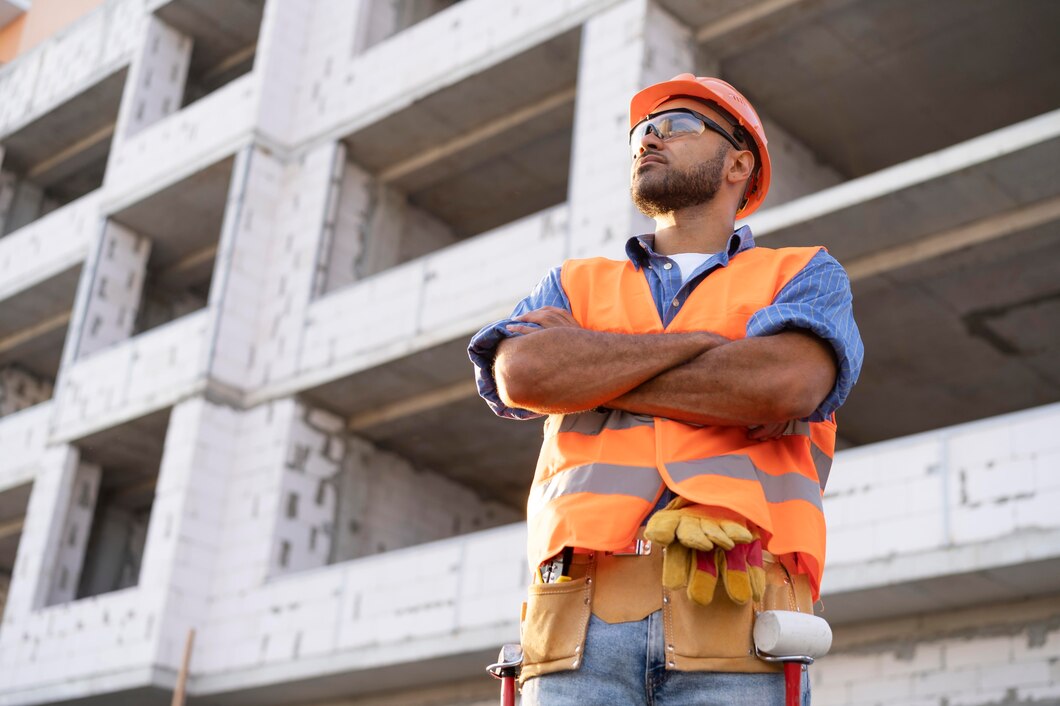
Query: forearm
x=745, y=382
x=563, y=370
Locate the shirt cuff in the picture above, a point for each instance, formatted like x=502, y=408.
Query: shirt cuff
x=786, y=317
x=482, y=350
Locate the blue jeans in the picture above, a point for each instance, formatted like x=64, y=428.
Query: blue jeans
x=624, y=664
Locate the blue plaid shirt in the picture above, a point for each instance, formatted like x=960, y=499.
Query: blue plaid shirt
x=816, y=299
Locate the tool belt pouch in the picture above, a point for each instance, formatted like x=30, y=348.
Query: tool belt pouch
x=554, y=626
x=718, y=637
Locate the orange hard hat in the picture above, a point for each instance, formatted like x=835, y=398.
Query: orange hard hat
x=730, y=102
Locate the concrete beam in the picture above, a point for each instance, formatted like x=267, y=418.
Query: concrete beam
x=471, y=139
x=954, y=239
x=178, y=271
x=1025, y=563
x=229, y=62
x=738, y=20
x=49, y=325
x=978, y=150
x=11, y=528
x=413, y=405
x=35, y=171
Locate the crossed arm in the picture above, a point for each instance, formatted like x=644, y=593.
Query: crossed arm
x=694, y=377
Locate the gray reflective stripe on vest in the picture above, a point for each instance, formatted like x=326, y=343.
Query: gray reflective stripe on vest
x=786, y=486
x=822, y=462
x=592, y=423
x=600, y=478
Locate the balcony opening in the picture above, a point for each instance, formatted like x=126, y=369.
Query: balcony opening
x=464, y=160
x=183, y=225
x=13, y=502
x=105, y=529
x=382, y=20
x=225, y=40
x=357, y=486
x=60, y=156
x=32, y=335
x=399, y=455
x=21, y=388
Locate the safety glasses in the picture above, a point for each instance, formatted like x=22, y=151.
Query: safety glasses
x=675, y=123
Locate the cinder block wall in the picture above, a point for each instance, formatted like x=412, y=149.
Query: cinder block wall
x=299, y=549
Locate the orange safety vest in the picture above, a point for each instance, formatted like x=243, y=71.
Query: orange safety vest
x=601, y=472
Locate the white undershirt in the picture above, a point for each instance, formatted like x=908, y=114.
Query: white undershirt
x=687, y=262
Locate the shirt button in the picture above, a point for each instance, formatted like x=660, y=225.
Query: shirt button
x=668, y=265
x=676, y=303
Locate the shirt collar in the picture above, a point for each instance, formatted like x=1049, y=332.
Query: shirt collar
x=640, y=248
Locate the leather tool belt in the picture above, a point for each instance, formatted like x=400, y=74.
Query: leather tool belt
x=627, y=586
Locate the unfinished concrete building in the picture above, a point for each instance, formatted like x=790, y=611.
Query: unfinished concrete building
x=244, y=245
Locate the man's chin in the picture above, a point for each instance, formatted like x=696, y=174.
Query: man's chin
x=651, y=209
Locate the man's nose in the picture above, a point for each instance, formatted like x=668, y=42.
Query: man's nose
x=650, y=138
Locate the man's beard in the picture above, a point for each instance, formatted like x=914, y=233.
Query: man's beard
x=654, y=196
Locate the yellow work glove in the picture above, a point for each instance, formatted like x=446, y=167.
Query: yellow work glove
x=703, y=543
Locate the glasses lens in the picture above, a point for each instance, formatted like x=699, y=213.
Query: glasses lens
x=674, y=124
x=666, y=125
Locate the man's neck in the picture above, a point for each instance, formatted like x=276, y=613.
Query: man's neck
x=699, y=229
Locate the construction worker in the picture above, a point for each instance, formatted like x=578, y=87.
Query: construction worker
x=690, y=391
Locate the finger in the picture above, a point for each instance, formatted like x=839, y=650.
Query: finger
x=661, y=527
x=734, y=575
x=554, y=316
x=766, y=432
x=703, y=578
x=715, y=533
x=534, y=316
x=676, y=560
x=736, y=532
x=516, y=328
x=690, y=534
x=758, y=433
x=756, y=570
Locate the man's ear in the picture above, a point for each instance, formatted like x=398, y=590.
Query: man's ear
x=743, y=165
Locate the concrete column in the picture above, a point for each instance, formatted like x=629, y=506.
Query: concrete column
x=40, y=549
x=624, y=49
x=350, y=204
x=370, y=228
x=306, y=521
x=187, y=526
x=278, y=61
x=77, y=525
x=117, y=277
x=7, y=193
x=266, y=264
x=157, y=77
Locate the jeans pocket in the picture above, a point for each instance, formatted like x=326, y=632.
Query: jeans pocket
x=553, y=631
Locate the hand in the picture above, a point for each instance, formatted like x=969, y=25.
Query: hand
x=545, y=317
x=767, y=432
x=704, y=542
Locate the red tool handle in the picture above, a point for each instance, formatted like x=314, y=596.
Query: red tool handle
x=792, y=682
x=507, y=691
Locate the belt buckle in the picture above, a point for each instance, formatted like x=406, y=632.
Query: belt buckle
x=638, y=547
